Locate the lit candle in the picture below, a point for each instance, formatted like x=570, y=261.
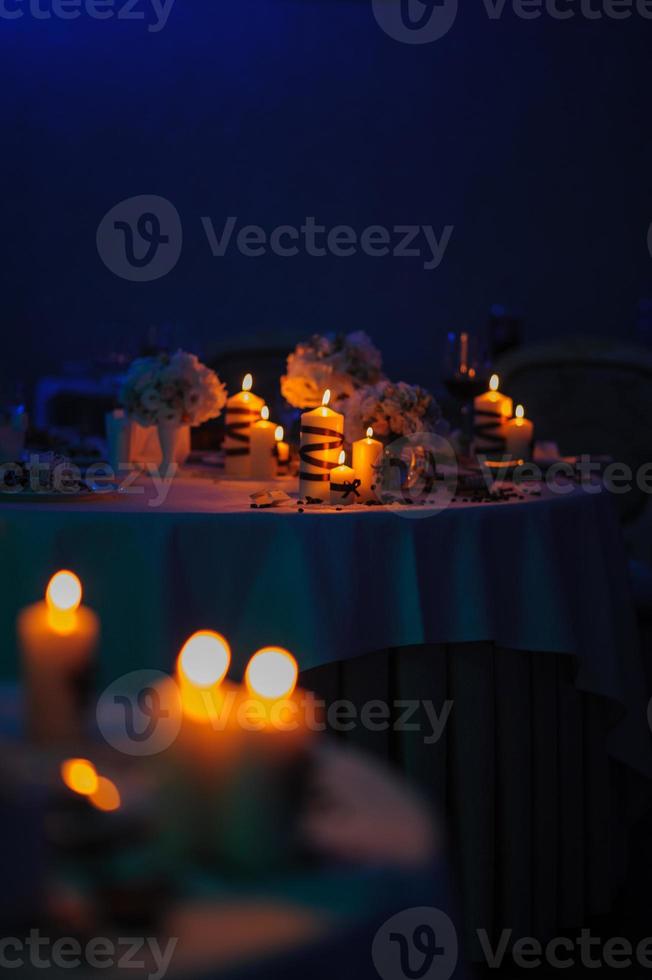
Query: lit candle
x=344, y=486
x=282, y=451
x=366, y=453
x=273, y=704
x=519, y=435
x=58, y=639
x=263, y=445
x=491, y=411
x=242, y=411
x=322, y=438
x=202, y=666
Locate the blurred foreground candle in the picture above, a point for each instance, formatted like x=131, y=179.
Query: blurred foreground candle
x=58, y=639
x=519, y=434
x=282, y=451
x=366, y=453
x=344, y=485
x=322, y=438
x=242, y=411
x=202, y=666
x=491, y=411
x=263, y=446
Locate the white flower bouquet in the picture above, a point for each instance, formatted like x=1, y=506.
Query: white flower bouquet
x=169, y=390
x=393, y=410
x=342, y=362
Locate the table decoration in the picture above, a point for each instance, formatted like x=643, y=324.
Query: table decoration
x=519, y=435
x=340, y=362
x=58, y=640
x=242, y=411
x=392, y=410
x=263, y=448
x=168, y=392
x=282, y=451
x=344, y=483
x=269, y=498
x=366, y=455
x=322, y=439
x=491, y=411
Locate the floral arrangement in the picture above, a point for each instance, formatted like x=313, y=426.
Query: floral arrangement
x=341, y=362
x=393, y=410
x=175, y=389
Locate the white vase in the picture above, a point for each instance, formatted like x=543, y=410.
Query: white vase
x=168, y=437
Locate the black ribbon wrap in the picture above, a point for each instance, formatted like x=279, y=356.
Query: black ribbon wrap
x=238, y=431
x=346, y=489
x=308, y=449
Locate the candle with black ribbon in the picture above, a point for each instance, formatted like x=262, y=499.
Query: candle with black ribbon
x=490, y=414
x=345, y=486
x=322, y=438
x=242, y=411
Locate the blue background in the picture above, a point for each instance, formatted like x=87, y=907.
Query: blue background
x=532, y=138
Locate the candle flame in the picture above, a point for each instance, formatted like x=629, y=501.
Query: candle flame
x=342, y=459
x=63, y=598
x=327, y=397
x=272, y=674
x=494, y=382
x=64, y=592
x=370, y=432
x=80, y=776
x=264, y=413
x=247, y=382
x=279, y=433
x=520, y=412
x=204, y=659
x=106, y=797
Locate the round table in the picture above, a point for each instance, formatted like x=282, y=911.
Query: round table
x=523, y=603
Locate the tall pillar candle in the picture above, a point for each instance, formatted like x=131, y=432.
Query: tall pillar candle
x=519, y=435
x=322, y=439
x=242, y=411
x=263, y=448
x=490, y=413
x=366, y=453
x=58, y=639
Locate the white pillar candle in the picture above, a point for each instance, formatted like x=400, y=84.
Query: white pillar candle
x=282, y=451
x=366, y=453
x=322, y=438
x=58, y=639
x=263, y=445
x=343, y=483
x=242, y=411
x=519, y=435
x=490, y=413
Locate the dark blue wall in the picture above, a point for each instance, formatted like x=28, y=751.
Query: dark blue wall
x=531, y=138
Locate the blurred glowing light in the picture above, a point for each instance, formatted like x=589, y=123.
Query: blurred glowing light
x=204, y=659
x=272, y=673
x=80, y=776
